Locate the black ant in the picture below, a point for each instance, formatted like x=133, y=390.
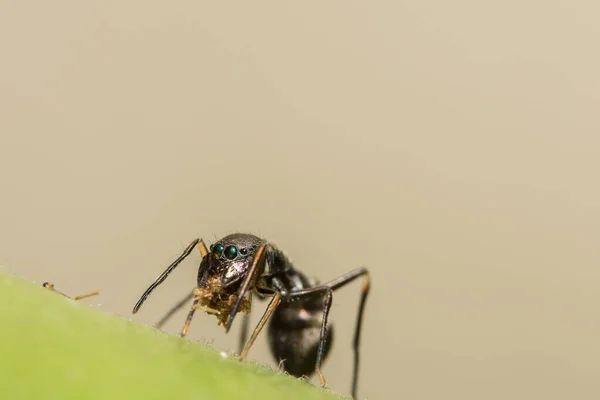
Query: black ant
x=242, y=264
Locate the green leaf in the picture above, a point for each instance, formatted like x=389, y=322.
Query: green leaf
x=53, y=347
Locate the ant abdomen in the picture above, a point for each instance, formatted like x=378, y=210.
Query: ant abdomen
x=294, y=335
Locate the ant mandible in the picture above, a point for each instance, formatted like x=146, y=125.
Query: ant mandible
x=242, y=264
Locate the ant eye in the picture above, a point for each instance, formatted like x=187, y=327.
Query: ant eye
x=244, y=251
x=231, y=252
x=217, y=250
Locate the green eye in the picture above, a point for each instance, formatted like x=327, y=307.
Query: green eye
x=218, y=250
x=231, y=252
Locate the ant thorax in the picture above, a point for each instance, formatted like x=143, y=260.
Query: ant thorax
x=214, y=300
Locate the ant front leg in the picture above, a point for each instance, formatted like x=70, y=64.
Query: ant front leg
x=188, y=320
x=181, y=303
x=170, y=268
x=50, y=286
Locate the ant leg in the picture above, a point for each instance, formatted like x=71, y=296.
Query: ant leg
x=333, y=285
x=179, y=305
x=272, y=306
x=189, y=318
x=50, y=286
x=259, y=259
x=357, y=331
x=169, y=269
x=173, y=310
x=243, y=333
x=202, y=248
x=328, y=292
x=244, y=329
x=337, y=283
x=326, y=307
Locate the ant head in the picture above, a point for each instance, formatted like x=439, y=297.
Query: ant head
x=232, y=256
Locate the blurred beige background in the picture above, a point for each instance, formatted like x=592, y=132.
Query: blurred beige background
x=451, y=147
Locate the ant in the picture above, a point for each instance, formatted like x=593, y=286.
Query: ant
x=240, y=265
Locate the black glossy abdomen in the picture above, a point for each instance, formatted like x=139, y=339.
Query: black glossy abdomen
x=294, y=333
